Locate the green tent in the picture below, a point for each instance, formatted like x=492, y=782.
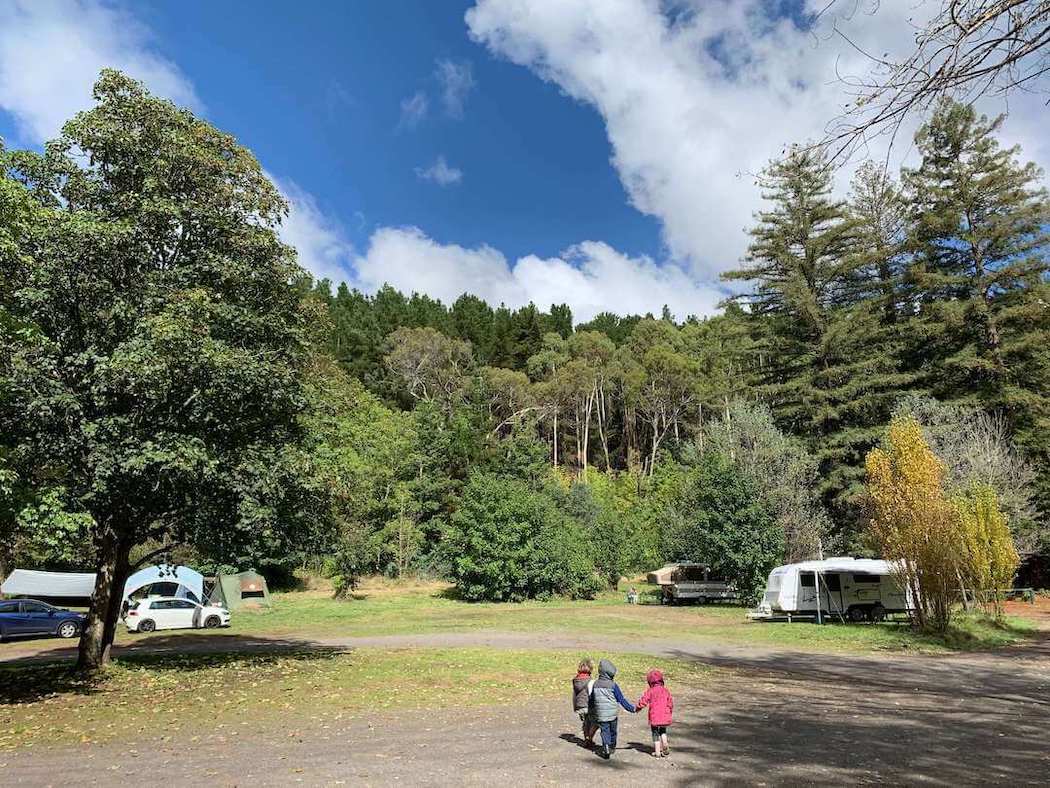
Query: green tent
x=245, y=589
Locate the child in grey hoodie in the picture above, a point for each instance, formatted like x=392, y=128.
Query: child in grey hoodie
x=606, y=699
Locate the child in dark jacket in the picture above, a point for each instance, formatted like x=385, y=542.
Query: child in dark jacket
x=581, y=700
x=606, y=698
x=661, y=707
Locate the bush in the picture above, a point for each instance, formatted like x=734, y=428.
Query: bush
x=509, y=541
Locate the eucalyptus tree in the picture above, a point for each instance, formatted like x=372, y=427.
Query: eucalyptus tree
x=158, y=374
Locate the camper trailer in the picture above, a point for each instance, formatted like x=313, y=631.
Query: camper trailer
x=691, y=582
x=854, y=589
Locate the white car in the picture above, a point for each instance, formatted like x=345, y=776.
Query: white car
x=168, y=612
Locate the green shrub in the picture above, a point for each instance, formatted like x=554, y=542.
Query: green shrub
x=509, y=541
x=717, y=518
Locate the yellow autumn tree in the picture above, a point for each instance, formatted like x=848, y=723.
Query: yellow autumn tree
x=989, y=557
x=914, y=523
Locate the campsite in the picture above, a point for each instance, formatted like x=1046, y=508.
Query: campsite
x=313, y=659
x=543, y=392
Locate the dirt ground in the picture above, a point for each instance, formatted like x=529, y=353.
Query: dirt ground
x=769, y=718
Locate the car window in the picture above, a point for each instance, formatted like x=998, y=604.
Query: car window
x=160, y=604
x=34, y=607
x=8, y=607
x=183, y=604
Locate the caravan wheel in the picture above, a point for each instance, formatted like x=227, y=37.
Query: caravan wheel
x=857, y=614
x=877, y=614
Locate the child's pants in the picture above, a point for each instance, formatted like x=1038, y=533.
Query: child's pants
x=609, y=733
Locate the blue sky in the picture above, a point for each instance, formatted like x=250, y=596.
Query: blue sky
x=596, y=152
x=317, y=97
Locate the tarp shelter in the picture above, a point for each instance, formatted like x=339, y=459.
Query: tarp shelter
x=50, y=585
x=245, y=589
x=167, y=580
x=679, y=571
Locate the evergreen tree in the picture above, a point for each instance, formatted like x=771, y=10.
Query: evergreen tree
x=826, y=372
x=559, y=320
x=979, y=277
x=472, y=320
x=526, y=337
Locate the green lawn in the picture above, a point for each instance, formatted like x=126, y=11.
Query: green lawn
x=389, y=609
x=232, y=695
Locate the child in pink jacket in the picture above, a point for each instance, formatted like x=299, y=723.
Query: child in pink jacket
x=661, y=706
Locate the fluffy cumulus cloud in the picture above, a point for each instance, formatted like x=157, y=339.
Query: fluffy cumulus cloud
x=456, y=79
x=440, y=172
x=591, y=277
x=698, y=95
x=319, y=240
x=51, y=53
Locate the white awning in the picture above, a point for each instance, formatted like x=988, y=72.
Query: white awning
x=30, y=582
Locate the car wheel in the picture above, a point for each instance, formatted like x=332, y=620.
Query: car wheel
x=147, y=626
x=67, y=629
x=211, y=622
x=857, y=614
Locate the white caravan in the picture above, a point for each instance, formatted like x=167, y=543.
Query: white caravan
x=858, y=589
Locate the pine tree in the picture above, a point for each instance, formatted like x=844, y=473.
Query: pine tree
x=824, y=370
x=979, y=277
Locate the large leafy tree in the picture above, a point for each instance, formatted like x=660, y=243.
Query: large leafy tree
x=157, y=374
x=716, y=516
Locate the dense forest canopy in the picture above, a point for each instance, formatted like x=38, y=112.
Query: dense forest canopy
x=171, y=381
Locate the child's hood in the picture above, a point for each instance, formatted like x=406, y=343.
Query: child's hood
x=654, y=677
x=606, y=669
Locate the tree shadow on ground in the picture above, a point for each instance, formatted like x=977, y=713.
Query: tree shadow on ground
x=451, y=593
x=37, y=677
x=840, y=720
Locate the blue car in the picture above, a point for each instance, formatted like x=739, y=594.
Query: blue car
x=28, y=617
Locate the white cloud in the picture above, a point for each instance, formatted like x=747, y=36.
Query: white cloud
x=51, y=53
x=440, y=173
x=320, y=241
x=696, y=103
x=456, y=80
x=413, y=110
x=591, y=277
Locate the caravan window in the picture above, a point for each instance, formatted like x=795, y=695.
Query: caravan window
x=832, y=582
x=873, y=579
x=806, y=579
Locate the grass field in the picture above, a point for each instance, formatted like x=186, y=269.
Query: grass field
x=225, y=695
x=232, y=695
x=384, y=608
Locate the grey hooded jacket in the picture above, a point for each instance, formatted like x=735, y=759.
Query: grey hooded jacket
x=606, y=697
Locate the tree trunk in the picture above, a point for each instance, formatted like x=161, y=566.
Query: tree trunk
x=555, y=438
x=600, y=407
x=587, y=426
x=100, y=627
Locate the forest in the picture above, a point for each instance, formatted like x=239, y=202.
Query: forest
x=173, y=383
